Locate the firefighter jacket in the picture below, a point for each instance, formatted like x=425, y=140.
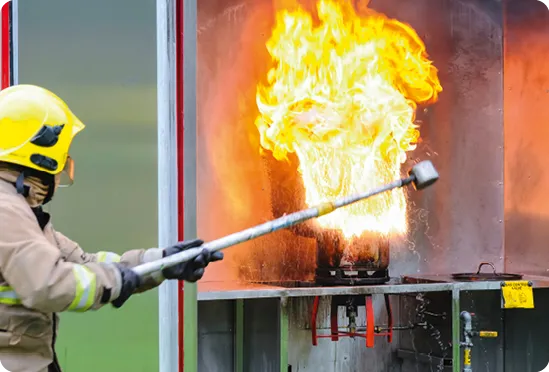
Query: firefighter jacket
x=42, y=273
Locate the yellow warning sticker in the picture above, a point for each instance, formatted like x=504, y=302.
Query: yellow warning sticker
x=517, y=295
x=467, y=357
x=488, y=334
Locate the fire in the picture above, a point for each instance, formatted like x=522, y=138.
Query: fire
x=342, y=96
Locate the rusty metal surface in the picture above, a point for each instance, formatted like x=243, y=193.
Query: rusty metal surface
x=526, y=132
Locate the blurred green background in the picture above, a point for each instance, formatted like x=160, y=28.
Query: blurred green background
x=100, y=57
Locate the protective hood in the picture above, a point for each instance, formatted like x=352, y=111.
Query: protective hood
x=37, y=191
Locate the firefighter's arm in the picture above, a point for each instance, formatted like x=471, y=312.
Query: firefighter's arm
x=190, y=271
x=39, y=276
x=132, y=258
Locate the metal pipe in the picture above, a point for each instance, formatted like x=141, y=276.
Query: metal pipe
x=272, y=226
x=167, y=179
x=467, y=344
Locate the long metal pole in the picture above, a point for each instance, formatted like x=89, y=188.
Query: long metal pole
x=167, y=179
x=265, y=228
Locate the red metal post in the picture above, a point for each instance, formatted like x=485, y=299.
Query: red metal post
x=313, y=320
x=334, y=327
x=370, y=322
x=6, y=37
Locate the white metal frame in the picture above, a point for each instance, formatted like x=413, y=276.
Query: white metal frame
x=167, y=178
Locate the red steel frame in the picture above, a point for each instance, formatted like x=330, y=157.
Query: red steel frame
x=6, y=50
x=371, y=329
x=180, y=120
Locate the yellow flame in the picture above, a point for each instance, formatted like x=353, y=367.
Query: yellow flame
x=342, y=96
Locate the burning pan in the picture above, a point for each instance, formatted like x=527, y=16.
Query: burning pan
x=478, y=276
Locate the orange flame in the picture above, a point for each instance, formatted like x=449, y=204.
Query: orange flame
x=342, y=96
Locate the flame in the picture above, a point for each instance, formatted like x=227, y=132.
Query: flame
x=342, y=96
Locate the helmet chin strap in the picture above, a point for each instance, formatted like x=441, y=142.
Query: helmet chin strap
x=47, y=180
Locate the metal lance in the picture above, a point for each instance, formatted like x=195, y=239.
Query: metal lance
x=422, y=175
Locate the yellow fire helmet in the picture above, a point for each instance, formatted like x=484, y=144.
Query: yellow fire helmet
x=36, y=130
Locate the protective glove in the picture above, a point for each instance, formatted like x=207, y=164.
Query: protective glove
x=193, y=270
x=130, y=282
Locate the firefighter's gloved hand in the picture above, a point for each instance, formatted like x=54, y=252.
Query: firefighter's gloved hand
x=130, y=282
x=193, y=270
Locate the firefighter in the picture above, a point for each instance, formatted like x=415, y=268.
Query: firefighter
x=42, y=272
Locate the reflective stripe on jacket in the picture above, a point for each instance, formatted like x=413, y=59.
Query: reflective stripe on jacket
x=43, y=272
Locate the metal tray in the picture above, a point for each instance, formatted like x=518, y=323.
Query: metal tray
x=478, y=276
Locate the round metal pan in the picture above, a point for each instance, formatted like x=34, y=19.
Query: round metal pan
x=478, y=276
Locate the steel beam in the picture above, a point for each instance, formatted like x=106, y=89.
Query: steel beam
x=456, y=330
x=211, y=291
x=284, y=331
x=190, y=330
x=239, y=336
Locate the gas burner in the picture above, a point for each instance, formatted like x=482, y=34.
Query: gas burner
x=363, y=261
x=351, y=304
x=350, y=276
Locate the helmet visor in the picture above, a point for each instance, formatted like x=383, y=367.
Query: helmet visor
x=66, y=178
x=22, y=115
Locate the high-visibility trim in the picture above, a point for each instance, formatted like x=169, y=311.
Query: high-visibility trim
x=8, y=296
x=85, y=288
x=107, y=257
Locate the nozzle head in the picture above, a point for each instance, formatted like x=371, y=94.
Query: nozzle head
x=424, y=174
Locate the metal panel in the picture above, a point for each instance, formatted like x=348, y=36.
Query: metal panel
x=526, y=132
x=261, y=340
x=526, y=113
x=458, y=222
x=526, y=331
x=432, y=341
x=345, y=355
x=427, y=347
x=454, y=225
x=100, y=57
x=487, y=353
x=216, y=336
x=462, y=134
